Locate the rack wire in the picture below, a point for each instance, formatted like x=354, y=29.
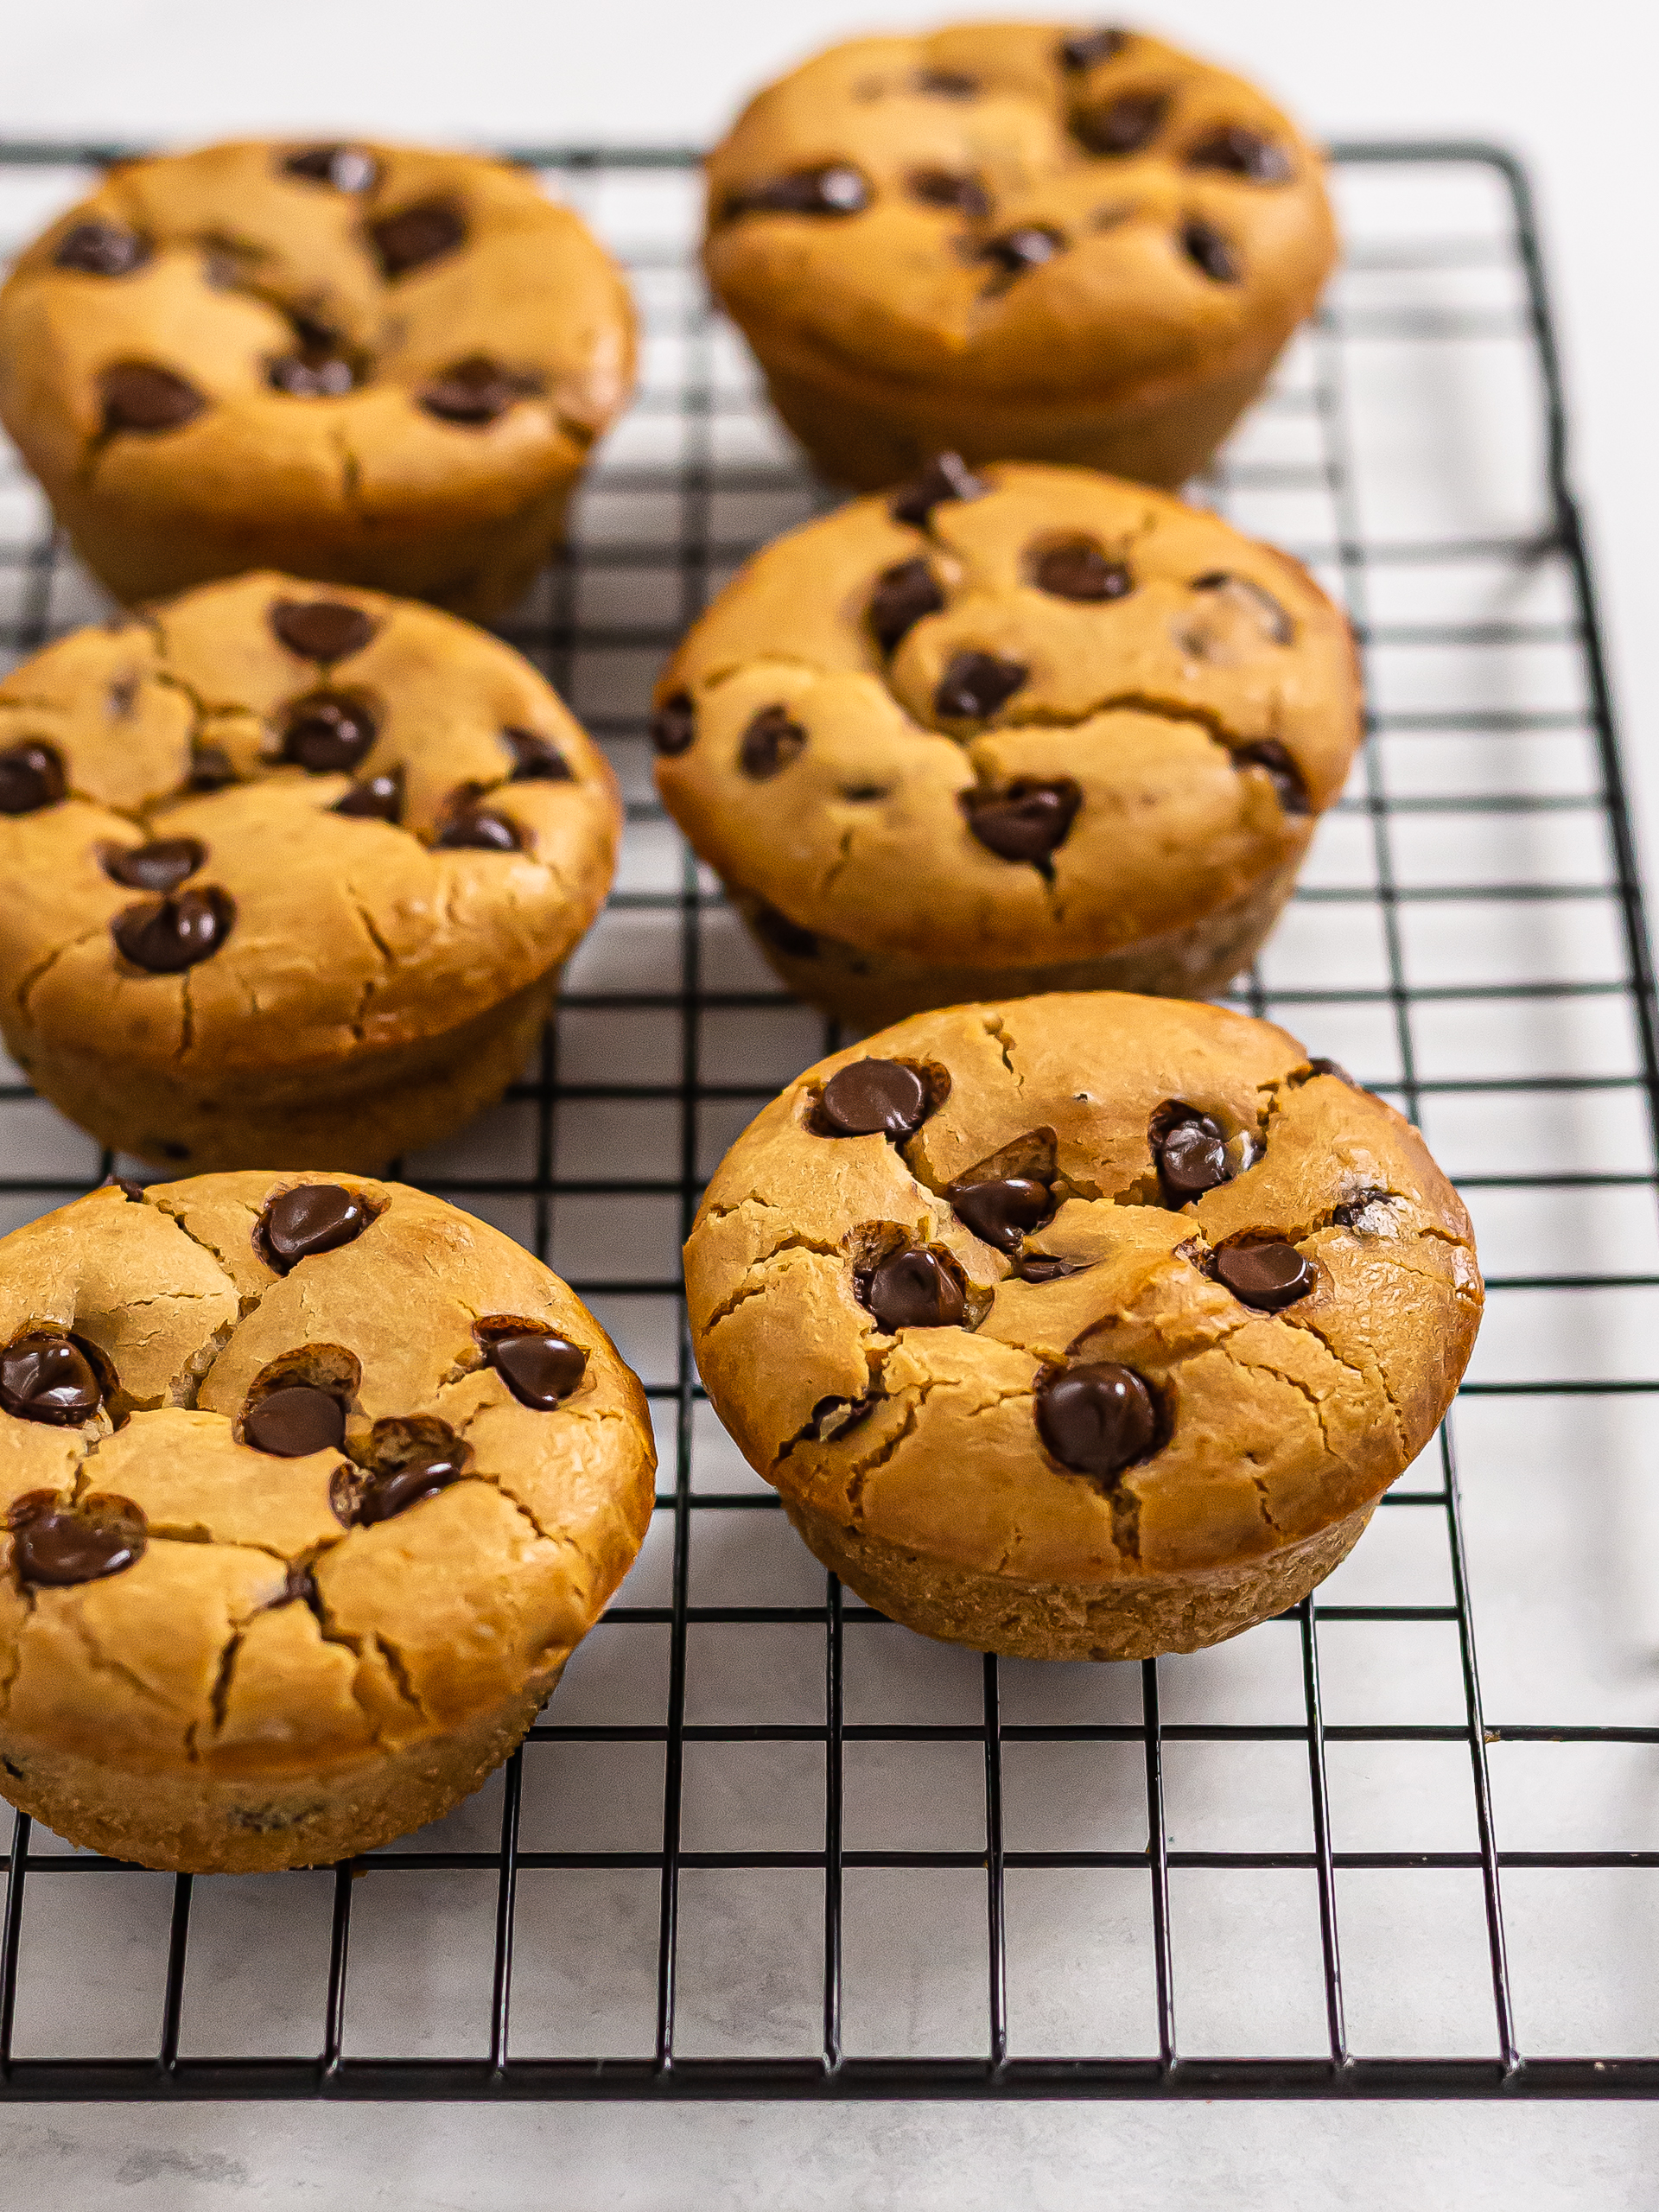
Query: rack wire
x=764, y=1844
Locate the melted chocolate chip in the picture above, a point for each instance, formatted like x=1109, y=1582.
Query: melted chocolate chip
x=770, y=743
x=947, y=84
x=1287, y=777
x=311, y=376
x=674, y=725
x=399, y=1488
x=1000, y=1213
x=915, y=1288
x=959, y=189
x=540, y=1368
x=1237, y=151
x=476, y=829
x=31, y=777
x=870, y=1098
x=535, y=760
x=947, y=476
x=975, y=685
x=164, y=936
x=310, y=1219
x=347, y=168
x=48, y=1377
x=902, y=596
x=417, y=235
x=377, y=798
x=323, y=630
x=1205, y=248
x=161, y=866
x=211, y=769
x=328, y=734
x=785, y=937
x=1087, y=49
x=57, y=1547
x=1079, y=569
x=1266, y=1276
x=138, y=396
x=1190, y=1151
x=102, y=250
x=1027, y=821
x=1121, y=126
x=1016, y=250
x=295, y=1420
x=836, y=188
x=1044, y=1266
x=474, y=392
x=1097, y=1418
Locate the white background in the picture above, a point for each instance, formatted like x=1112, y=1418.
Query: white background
x=1572, y=89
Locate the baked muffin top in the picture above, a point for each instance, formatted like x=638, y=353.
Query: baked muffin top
x=1081, y=1287
x=294, y=1470
x=271, y=822
x=1018, y=209
x=316, y=329
x=1008, y=717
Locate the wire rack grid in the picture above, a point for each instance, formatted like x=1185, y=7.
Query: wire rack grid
x=764, y=1843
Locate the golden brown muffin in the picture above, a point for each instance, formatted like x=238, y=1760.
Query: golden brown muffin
x=1035, y=729
x=372, y=365
x=310, y=1490
x=1017, y=240
x=1080, y=1328
x=286, y=877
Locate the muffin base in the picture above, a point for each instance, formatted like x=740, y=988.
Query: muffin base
x=869, y=988
x=202, y=1822
x=355, y=1115
x=869, y=438
x=1132, y=1619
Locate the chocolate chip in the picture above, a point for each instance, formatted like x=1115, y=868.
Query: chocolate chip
x=328, y=734
x=674, y=725
x=478, y=829
x=48, y=1377
x=211, y=769
x=535, y=760
x=102, y=250
x=1098, y=1418
x=836, y=188
x=377, y=798
x=133, y=1192
x=311, y=376
x=164, y=936
x=1016, y=250
x=1087, y=49
x=323, y=630
x=870, y=1098
x=1238, y=151
x=161, y=866
x=975, y=685
x=1042, y=1267
x=1000, y=1213
x=833, y=1417
x=348, y=169
x=1121, y=126
x=956, y=188
x=1204, y=246
x=295, y=1420
x=785, y=937
x=1078, y=568
x=770, y=743
x=947, y=84
x=1266, y=1276
x=310, y=1219
x=902, y=596
x=914, y=1288
x=138, y=396
x=1251, y=601
x=59, y=1548
x=1190, y=1152
x=946, y=477
x=1287, y=777
x=474, y=392
x=1332, y=1068
x=1026, y=821
x=540, y=1368
x=416, y=235
x=398, y=1489
x=31, y=777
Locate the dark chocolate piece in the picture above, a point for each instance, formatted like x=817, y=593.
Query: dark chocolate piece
x=834, y=188
x=139, y=396
x=1123, y=126
x=417, y=235
x=1266, y=1276
x=1044, y=1266
x=1027, y=247
x=347, y=168
x=873, y=1098
x=99, y=249
x=902, y=596
x=1087, y=49
x=946, y=477
x=1097, y=1418
x=328, y=733
x=959, y=189
x=1190, y=1152
x=58, y=1547
x=1027, y=821
x=377, y=798
x=312, y=1218
x=46, y=1376
x=770, y=743
x=478, y=829
x=323, y=630
x=1206, y=249
x=535, y=760
x=474, y=392
x=398, y=1487
x=295, y=1420
x=1269, y=755
x=538, y=1367
x=211, y=769
x=161, y=866
x=1001, y=1212
x=165, y=935
x=674, y=725
x=1079, y=569
x=31, y=777
x=914, y=1288
x=975, y=685
x=1236, y=150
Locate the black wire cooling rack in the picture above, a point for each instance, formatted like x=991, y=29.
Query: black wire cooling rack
x=768, y=1845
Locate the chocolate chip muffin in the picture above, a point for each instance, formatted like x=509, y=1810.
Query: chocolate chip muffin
x=310, y=1487
x=373, y=364
x=286, y=877
x=1016, y=730
x=1081, y=1327
x=1018, y=240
